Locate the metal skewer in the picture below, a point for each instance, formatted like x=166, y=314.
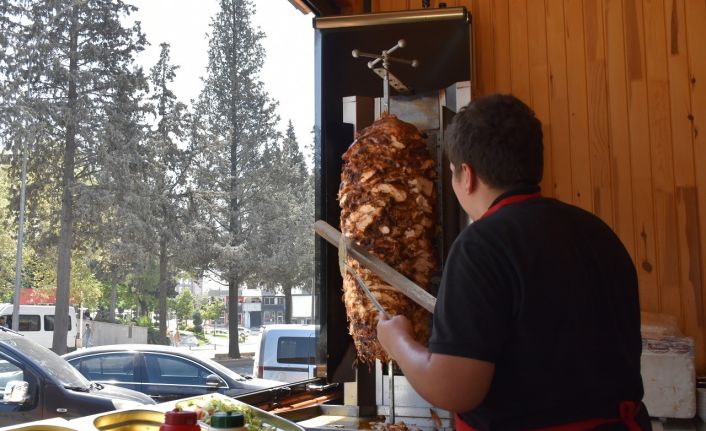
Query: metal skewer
x=384, y=72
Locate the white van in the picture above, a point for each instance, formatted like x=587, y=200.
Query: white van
x=37, y=323
x=287, y=353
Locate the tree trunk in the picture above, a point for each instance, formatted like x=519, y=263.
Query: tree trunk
x=287, y=290
x=163, y=261
x=63, y=265
x=113, y=298
x=233, y=321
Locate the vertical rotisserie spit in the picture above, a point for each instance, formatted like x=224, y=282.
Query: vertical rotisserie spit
x=387, y=197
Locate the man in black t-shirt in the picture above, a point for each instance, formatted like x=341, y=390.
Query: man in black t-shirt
x=537, y=321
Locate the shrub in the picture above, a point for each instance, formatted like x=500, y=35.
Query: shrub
x=198, y=322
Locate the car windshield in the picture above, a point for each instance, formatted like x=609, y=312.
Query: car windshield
x=50, y=362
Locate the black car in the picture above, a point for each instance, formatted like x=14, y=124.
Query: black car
x=162, y=372
x=36, y=383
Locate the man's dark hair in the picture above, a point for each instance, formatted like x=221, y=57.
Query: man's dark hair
x=500, y=138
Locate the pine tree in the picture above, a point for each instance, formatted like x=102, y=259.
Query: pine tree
x=240, y=118
x=68, y=60
x=171, y=167
x=288, y=234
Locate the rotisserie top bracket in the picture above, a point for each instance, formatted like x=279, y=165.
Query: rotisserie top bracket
x=388, y=79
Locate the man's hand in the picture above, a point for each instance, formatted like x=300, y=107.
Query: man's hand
x=454, y=383
x=391, y=329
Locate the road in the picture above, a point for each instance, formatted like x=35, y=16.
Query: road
x=217, y=349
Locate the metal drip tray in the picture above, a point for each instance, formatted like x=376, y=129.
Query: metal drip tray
x=54, y=424
x=130, y=420
x=331, y=417
x=41, y=428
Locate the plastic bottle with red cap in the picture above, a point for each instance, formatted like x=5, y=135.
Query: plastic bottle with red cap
x=178, y=420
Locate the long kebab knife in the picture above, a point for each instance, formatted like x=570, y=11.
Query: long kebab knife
x=343, y=246
x=383, y=270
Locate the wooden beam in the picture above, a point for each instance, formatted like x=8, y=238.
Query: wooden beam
x=322, y=7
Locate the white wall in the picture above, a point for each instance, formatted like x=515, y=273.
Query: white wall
x=104, y=333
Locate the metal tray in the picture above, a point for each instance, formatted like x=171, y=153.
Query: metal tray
x=332, y=417
x=39, y=428
x=130, y=420
x=277, y=422
x=54, y=424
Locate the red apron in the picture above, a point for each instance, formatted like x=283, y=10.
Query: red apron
x=628, y=414
x=628, y=409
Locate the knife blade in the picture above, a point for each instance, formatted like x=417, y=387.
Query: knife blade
x=343, y=246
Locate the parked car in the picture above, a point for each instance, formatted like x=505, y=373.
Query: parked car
x=165, y=373
x=286, y=353
x=39, y=384
x=243, y=330
x=37, y=323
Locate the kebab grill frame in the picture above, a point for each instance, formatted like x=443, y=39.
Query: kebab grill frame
x=348, y=99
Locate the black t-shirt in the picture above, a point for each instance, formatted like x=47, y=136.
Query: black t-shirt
x=547, y=292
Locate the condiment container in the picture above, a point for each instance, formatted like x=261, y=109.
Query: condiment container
x=227, y=421
x=177, y=420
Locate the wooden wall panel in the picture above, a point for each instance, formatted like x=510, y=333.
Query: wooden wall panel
x=619, y=133
x=620, y=88
x=662, y=158
x=484, y=49
x=578, y=106
x=695, y=13
x=596, y=94
x=690, y=272
x=519, y=59
x=539, y=81
x=501, y=46
x=389, y=5
x=558, y=103
x=638, y=120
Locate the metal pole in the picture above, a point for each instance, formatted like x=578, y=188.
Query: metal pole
x=391, y=376
x=20, y=236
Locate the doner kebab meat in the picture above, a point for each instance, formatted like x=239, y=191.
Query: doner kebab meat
x=387, y=197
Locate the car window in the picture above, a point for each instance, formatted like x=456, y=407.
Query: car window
x=296, y=350
x=166, y=369
x=13, y=369
x=28, y=322
x=118, y=367
x=9, y=372
x=49, y=322
x=51, y=363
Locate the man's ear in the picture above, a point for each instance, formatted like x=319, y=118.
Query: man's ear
x=470, y=180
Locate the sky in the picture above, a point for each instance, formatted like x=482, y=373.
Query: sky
x=288, y=70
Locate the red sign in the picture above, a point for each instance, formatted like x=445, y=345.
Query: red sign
x=39, y=296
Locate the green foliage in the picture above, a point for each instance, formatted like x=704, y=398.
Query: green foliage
x=144, y=321
x=213, y=309
x=198, y=322
x=142, y=287
x=287, y=237
x=211, y=187
x=238, y=121
x=184, y=305
x=8, y=243
x=68, y=75
x=154, y=337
